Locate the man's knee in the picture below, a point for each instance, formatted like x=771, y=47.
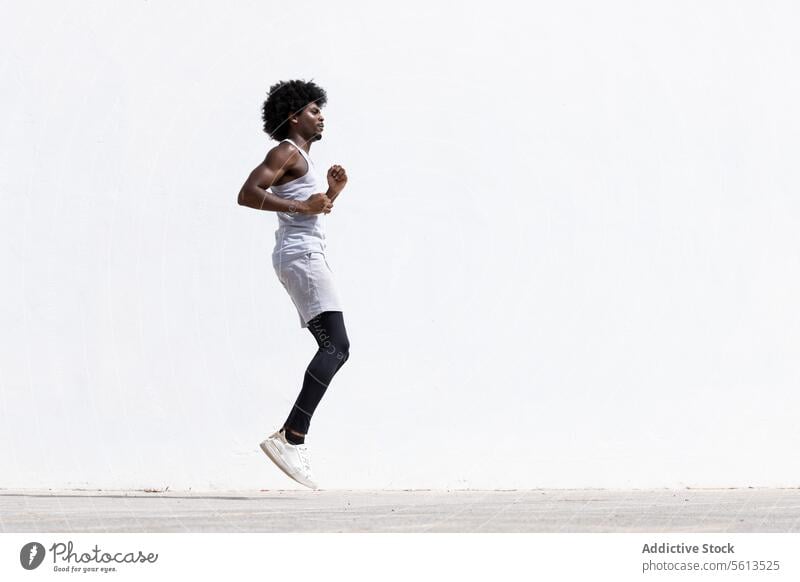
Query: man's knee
x=344, y=350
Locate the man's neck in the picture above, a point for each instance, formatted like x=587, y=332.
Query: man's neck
x=306, y=145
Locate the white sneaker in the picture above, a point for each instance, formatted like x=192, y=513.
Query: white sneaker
x=291, y=459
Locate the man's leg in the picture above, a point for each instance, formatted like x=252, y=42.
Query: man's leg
x=334, y=349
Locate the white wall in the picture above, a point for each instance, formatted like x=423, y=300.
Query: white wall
x=568, y=249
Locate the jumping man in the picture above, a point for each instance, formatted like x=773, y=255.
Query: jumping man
x=292, y=115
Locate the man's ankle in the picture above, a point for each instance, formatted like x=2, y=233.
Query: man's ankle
x=293, y=437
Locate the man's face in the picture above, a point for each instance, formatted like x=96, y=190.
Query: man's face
x=310, y=122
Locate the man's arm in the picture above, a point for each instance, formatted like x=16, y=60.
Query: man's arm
x=254, y=193
x=337, y=180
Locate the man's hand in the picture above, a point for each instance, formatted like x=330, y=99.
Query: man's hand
x=337, y=179
x=316, y=204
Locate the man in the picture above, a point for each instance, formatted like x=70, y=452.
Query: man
x=292, y=115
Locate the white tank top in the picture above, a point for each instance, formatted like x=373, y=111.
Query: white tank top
x=298, y=234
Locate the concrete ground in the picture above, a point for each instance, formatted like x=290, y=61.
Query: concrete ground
x=537, y=510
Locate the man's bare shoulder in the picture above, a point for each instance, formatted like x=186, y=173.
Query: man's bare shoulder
x=282, y=154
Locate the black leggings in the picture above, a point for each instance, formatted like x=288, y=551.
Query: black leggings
x=334, y=349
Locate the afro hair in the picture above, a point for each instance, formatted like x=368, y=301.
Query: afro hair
x=287, y=98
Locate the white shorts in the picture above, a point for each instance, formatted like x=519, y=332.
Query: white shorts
x=309, y=281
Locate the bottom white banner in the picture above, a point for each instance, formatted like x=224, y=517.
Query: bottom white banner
x=402, y=556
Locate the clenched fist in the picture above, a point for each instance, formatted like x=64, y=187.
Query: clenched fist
x=318, y=204
x=337, y=178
